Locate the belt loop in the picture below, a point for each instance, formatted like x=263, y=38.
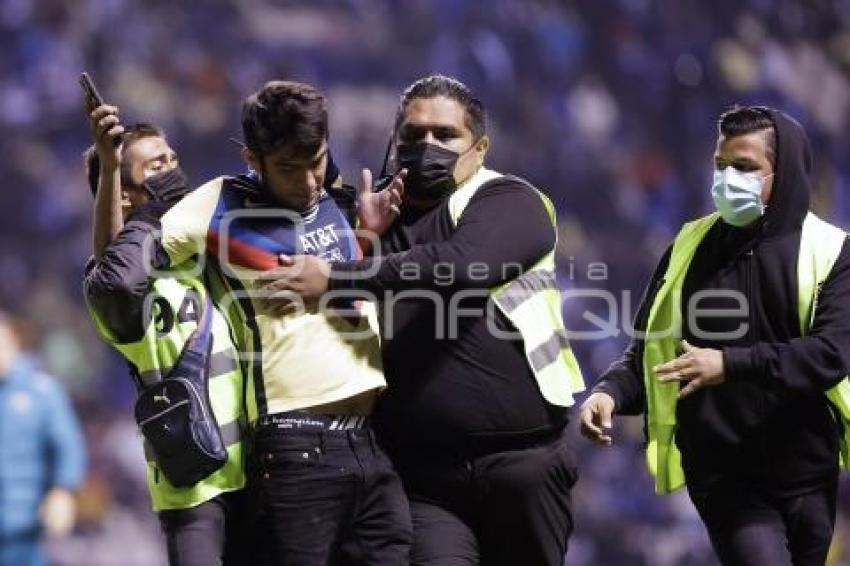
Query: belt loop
x=322, y=443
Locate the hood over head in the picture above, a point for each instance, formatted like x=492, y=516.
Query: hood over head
x=792, y=186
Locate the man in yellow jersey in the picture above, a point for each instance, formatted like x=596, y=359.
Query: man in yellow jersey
x=328, y=492
x=148, y=319
x=741, y=362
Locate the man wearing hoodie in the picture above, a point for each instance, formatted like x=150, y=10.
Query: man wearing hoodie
x=741, y=354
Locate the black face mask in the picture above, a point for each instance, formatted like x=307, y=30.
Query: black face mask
x=168, y=187
x=430, y=170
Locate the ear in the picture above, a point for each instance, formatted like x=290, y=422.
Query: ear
x=481, y=148
x=251, y=159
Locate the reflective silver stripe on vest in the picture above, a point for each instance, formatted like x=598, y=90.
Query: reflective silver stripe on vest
x=524, y=287
x=221, y=363
x=231, y=433
x=548, y=351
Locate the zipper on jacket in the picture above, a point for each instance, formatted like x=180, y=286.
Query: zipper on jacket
x=754, y=335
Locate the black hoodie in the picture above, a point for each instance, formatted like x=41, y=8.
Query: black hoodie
x=770, y=422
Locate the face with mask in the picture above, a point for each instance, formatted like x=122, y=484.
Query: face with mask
x=737, y=196
x=437, y=147
x=743, y=177
x=167, y=187
x=151, y=171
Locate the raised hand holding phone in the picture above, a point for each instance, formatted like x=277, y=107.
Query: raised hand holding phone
x=106, y=131
x=104, y=124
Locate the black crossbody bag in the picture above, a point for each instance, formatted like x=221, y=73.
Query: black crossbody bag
x=175, y=414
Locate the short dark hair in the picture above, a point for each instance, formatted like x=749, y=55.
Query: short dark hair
x=441, y=85
x=132, y=134
x=742, y=120
x=283, y=113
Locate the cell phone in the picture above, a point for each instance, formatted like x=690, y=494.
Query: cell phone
x=93, y=98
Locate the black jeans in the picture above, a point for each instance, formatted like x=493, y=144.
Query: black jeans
x=215, y=532
x=750, y=527
x=505, y=508
x=331, y=497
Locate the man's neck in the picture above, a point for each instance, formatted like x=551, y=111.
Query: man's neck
x=472, y=176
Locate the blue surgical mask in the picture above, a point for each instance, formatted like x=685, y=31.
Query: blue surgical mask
x=737, y=195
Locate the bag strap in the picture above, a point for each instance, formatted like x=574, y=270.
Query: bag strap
x=198, y=347
x=199, y=340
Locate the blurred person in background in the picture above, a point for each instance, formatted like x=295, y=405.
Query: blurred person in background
x=747, y=403
x=42, y=455
x=135, y=177
x=474, y=417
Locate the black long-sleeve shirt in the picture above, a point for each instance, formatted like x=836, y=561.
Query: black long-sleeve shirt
x=452, y=383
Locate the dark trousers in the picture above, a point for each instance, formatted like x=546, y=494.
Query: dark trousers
x=750, y=527
x=510, y=507
x=213, y=533
x=331, y=497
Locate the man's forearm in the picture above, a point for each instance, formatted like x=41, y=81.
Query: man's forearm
x=624, y=383
x=814, y=362
x=809, y=363
x=108, y=218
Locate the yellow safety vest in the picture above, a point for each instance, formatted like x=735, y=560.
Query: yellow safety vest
x=820, y=245
x=156, y=352
x=532, y=302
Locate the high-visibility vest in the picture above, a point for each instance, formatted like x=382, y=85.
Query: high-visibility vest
x=820, y=244
x=532, y=302
x=174, y=306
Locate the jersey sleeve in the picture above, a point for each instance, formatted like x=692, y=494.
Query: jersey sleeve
x=184, y=229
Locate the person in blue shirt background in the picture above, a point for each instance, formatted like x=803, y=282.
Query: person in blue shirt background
x=42, y=455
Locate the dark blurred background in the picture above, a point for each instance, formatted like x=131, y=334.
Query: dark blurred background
x=609, y=105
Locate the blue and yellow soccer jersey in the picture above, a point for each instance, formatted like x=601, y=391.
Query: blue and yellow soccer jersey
x=296, y=360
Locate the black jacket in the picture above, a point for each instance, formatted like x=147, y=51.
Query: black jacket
x=469, y=393
x=770, y=421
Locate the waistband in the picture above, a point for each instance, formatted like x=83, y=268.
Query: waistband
x=304, y=420
x=458, y=450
